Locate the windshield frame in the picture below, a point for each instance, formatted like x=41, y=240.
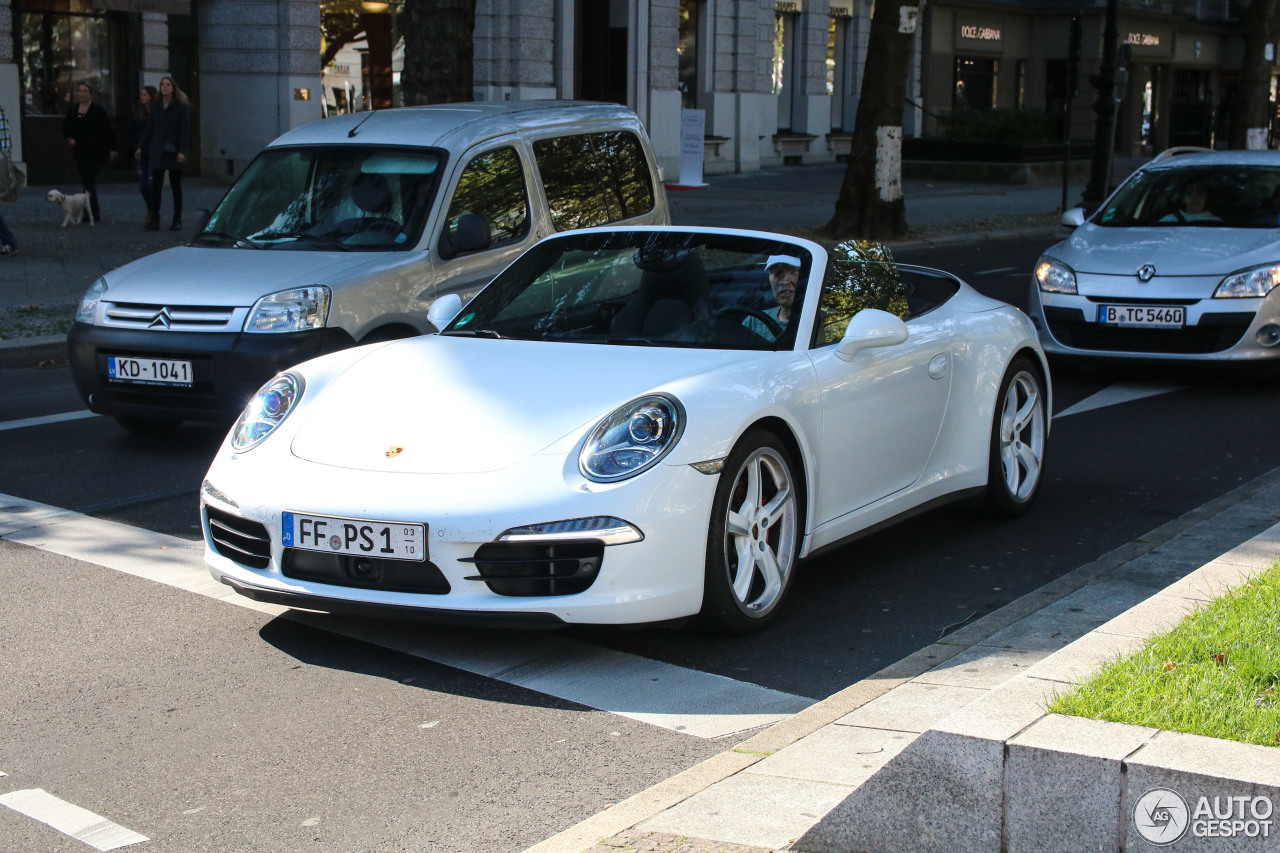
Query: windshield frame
x=1206, y=195
x=617, y=276
x=297, y=221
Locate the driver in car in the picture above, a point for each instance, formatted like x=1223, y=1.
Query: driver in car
x=784, y=274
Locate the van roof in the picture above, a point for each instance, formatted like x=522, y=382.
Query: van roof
x=454, y=126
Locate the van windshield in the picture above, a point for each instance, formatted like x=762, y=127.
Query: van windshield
x=328, y=198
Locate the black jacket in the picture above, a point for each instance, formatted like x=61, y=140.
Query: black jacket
x=94, y=136
x=167, y=135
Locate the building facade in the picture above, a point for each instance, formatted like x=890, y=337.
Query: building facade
x=777, y=80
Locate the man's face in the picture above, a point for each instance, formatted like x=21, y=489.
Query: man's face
x=783, y=278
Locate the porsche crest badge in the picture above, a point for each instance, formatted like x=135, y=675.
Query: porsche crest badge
x=393, y=451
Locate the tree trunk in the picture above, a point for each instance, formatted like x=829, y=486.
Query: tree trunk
x=439, y=67
x=870, y=206
x=1253, y=106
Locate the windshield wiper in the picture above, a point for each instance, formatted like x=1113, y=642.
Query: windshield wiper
x=227, y=235
x=327, y=242
x=474, y=333
x=644, y=342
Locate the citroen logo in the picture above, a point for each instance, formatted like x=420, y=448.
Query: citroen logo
x=1145, y=273
x=161, y=320
x=393, y=451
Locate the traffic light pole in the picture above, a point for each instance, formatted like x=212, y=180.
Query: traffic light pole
x=1105, y=109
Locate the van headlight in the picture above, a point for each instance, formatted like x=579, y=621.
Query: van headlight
x=631, y=439
x=1054, y=276
x=266, y=411
x=298, y=310
x=1250, y=283
x=89, y=302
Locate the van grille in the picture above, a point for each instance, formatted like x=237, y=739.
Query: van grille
x=174, y=318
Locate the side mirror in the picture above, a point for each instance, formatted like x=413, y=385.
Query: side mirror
x=871, y=328
x=470, y=234
x=1074, y=217
x=443, y=310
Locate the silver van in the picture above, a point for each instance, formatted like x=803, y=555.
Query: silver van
x=343, y=232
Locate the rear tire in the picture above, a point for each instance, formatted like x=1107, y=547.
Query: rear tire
x=754, y=537
x=149, y=427
x=1019, y=433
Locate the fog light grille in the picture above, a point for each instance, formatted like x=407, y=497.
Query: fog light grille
x=538, y=568
x=239, y=539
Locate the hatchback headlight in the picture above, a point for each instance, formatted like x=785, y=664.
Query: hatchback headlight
x=297, y=310
x=1054, y=276
x=1250, y=283
x=634, y=437
x=89, y=302
x=266, y=411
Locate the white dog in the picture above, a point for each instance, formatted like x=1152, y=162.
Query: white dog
x=74, y=207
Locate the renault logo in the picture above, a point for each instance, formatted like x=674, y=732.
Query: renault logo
x=1146, y=272
x=161, y=320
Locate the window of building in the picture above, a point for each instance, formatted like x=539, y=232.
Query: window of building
x=687, y=53
x=786, y=69
x=493, y=186
x=594, y=178
x=838, y=71
x=1020, y=83
x=975, y=83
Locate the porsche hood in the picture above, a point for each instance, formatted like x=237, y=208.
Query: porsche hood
x=451, y=405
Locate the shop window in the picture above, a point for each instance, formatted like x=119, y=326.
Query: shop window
x=687, y=53
x=838, y=71
x=59, y=52
x=785, y=68
x=975, y=83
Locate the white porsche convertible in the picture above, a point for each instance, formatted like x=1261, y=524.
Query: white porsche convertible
x=629, y=426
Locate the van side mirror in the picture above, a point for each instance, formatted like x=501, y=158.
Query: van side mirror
x=871, y=328
x=1074, y=217
x=443, y=310
x=470, y=234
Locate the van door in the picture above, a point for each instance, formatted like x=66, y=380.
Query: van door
x=493, y=183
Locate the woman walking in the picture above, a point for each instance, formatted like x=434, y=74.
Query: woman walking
x=142, y=165
x=90, y=141
x=165, y=143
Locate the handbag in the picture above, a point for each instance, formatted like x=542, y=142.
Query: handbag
x=12, y=178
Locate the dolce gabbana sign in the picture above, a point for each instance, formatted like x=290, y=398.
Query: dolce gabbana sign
x=985, y=34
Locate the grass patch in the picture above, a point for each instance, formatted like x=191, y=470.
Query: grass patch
x=1215, y=674
x=33, y=321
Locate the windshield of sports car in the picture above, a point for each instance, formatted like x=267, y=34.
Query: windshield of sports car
x=327, y=198
x=645, y=288
x=1214, y=196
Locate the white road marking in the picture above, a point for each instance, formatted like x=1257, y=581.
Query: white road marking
x=1114, y=395
x=661, y=694
x=996, y=270
x=47, y=419
x=81, y=824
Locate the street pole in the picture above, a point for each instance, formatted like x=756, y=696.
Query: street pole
x=1105, y=109
x=1073, y=72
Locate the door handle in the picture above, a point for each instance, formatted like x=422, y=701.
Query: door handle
x=938, y=365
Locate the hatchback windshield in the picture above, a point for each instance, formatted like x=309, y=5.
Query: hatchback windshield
x=1219, y=196
x=341, y=198
x=647, y=289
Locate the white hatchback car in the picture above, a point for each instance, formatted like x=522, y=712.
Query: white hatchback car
x=1181, y=263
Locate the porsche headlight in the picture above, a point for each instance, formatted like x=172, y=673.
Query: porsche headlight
x=298, y=310
x=1250, y=283
x=89, y=302
x=266, y=411
x=1055, y=276
x=634, y=437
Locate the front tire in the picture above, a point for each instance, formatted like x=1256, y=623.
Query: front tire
x=754, y=537
x=1019, y=432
